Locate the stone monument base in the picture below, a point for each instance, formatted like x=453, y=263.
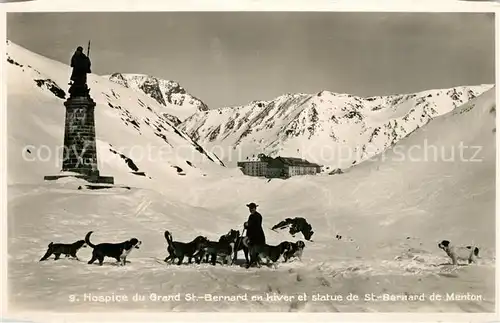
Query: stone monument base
x=80, y=151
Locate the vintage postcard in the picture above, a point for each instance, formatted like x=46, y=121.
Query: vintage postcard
x=248, y=161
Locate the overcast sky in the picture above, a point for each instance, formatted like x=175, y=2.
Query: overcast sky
x=228, y=59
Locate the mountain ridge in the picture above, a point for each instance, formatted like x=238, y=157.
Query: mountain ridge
x=135, y=142
x=323, y=121
x=167, y=93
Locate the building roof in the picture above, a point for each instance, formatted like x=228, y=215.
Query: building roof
x=294, y=161
x=290, y=161
x=258, y=158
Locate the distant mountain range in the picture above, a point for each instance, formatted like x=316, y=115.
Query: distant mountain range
x=332, y=129
x=336, y=130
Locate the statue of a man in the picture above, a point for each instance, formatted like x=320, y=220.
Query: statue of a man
x=81, y=66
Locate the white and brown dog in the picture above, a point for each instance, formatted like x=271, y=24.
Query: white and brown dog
x=457, y=253
x=295, y=249
x=119, y=251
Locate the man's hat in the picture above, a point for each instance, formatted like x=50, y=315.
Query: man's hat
x=252, y=205
x=79, y=49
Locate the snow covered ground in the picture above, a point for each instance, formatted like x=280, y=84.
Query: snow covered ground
x=391, y=214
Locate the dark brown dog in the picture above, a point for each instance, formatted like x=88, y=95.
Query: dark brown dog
x=68, y=249
x=270, y=253
x=177, y=249
x=224, y=247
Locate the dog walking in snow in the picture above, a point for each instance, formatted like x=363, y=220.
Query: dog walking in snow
x=68, y=249
x=119, y=251
x=462, y=253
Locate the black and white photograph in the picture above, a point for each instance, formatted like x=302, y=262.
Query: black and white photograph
x=251, y=161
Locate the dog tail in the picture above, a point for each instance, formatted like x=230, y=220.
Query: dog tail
x=87, y=239
x=168, y=237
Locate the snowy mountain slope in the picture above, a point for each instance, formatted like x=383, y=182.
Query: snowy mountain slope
x=179, y=105
x=422, y=179
x=332, y=129
x=132, y=135
x=391, y=212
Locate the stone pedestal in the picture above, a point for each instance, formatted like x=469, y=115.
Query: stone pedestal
x=80, y=153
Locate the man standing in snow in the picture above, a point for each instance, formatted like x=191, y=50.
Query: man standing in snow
x=81, y=66
x=255, y=233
